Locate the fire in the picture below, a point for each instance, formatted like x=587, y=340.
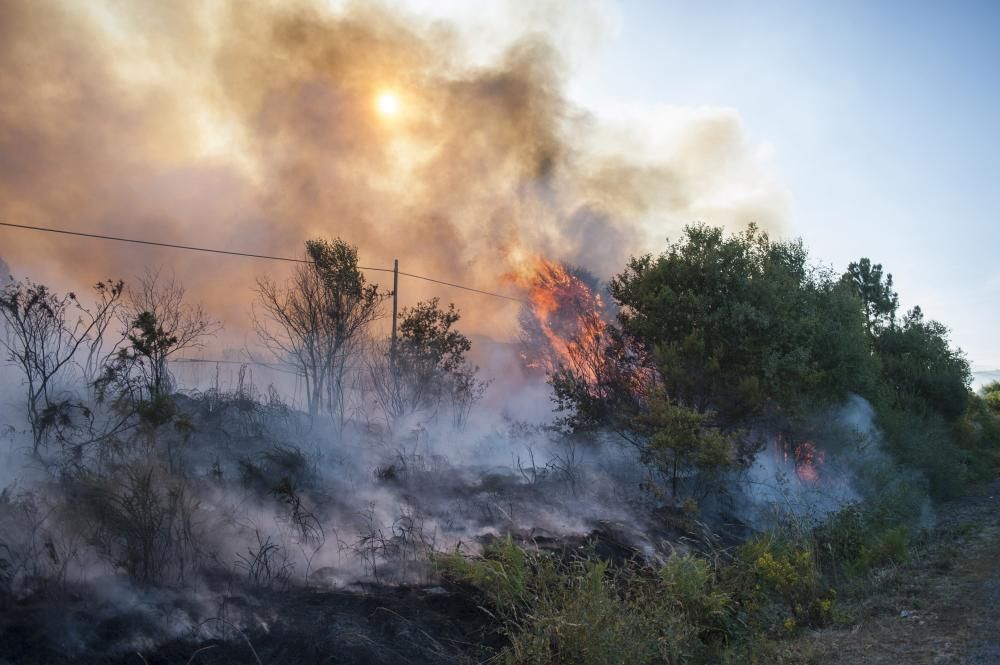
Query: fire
x=807, y=458
x=563, y=324
x=808, y=461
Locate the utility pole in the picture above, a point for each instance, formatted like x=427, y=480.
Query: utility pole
x=395, y=300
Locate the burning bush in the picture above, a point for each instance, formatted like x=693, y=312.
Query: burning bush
x=564, y=322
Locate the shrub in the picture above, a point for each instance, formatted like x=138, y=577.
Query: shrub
x=581, y=609
x=141, y=521
x=853, y=541
x=888, y=547
x=778, y=583
x=924, y=441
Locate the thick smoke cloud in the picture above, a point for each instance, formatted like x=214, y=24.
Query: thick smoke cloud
x=253, y=126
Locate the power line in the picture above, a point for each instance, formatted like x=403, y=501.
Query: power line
x=97, y=236
x=208, y=361
x=192, y=248
x=466, y=288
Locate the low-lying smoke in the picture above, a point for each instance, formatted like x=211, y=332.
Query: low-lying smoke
x=855, y=467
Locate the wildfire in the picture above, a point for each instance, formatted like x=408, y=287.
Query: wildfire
x=564, y=322
x=808, y=461
x=806, y=457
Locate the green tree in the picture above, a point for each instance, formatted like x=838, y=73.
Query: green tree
x=991, y=396
x=920, y=370
x=879, y=301
x=741, y=324
x=923, y=399
x=427, y=367
x=318, y=319
x=681, y=440
x=716, y=335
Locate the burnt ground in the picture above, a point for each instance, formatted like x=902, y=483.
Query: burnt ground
x=378, y=625
x=366, y=624
x=941, y=608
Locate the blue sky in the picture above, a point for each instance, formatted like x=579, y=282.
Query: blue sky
x=883, y=117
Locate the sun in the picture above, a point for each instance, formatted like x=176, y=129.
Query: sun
x=387, y=103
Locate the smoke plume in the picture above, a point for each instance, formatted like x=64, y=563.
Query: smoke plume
x=253, y=126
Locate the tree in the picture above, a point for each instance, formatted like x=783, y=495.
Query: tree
x=564, y=321
x=878, y=299
x=681, y=439
x=159, y=324
x=44, y=341
x=317, y=320
x=136, y=380
x=991, y=396
x=920, y=370
x=428, y=367
x=716, y=336
x=738, y=324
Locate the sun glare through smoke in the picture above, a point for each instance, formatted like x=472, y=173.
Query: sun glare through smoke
x=387, y=103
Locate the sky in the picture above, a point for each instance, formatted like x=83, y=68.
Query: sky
x=879, y=118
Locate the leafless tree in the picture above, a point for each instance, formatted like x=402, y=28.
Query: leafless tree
x=317, y=320
x=46, y=335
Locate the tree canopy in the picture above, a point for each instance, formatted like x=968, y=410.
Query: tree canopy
x=721, y=333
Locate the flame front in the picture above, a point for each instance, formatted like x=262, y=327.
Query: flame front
x=563, y=324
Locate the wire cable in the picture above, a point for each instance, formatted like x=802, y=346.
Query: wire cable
x=192, y=248
x=466, y=288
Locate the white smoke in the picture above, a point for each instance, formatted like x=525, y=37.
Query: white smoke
x=856, y=468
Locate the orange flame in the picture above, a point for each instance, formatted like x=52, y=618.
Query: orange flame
x=806, y=457
x=565, y=310
x=808, y=462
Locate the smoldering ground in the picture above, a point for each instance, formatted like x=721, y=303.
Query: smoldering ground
x=259, y=510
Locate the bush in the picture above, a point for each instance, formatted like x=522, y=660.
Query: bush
x=852, y=541
x=582, y=609
x=888, y=547
x=778, y=583
x=924, y=441
x=141, y=522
